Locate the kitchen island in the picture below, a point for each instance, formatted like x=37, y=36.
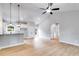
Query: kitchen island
x=9, y=40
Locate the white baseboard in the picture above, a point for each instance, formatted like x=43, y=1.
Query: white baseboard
x=70, y=43
x=11, y=45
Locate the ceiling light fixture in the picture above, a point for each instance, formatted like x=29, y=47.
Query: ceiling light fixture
x=48, y=10
x=10, y=27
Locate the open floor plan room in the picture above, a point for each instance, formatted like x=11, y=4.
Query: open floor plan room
x=39, y=29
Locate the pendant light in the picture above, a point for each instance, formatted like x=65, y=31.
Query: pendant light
x=10, y=26
x=18, y=16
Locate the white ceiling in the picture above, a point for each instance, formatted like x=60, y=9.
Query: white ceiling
x=31, y=10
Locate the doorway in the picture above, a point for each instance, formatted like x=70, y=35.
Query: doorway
x=55, y=32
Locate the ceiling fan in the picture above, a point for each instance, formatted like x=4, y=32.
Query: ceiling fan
x=49, y=9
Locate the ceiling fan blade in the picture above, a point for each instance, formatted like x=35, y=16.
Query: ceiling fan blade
x=42, y=8
x=44, y=12
x=47, y=7
x=55, y=8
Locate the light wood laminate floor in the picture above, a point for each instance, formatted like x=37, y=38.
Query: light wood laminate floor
x=53, y=49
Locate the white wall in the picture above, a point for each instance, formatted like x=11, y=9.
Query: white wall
x=69, y=26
